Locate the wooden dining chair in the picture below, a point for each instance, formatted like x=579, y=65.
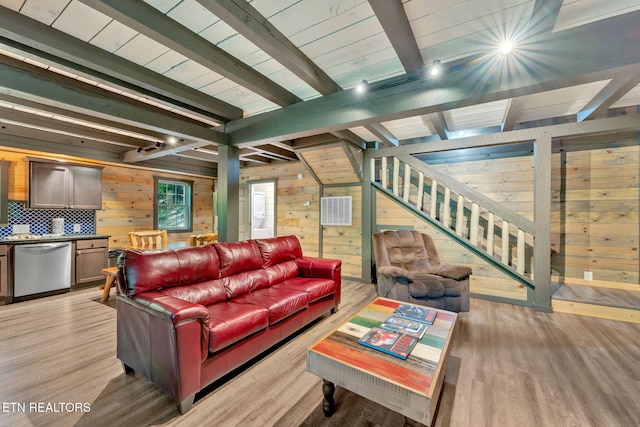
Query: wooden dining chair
x=152, y=239
x=203, y=239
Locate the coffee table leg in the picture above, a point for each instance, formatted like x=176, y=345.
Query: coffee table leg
x=328, y=405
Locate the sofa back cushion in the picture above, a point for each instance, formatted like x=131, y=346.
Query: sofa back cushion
x=206, y=293
x=237, y=257
x=280, y=272
x=279, y=249
x=144, y=271
x=245, y=282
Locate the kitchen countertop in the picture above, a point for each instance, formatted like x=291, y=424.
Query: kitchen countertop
x=63, y=238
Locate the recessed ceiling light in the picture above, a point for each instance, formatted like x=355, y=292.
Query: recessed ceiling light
x=172, y=140
x=362, y=86
x=435, y=68
x=506, y=47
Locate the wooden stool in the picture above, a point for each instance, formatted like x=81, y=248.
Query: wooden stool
x=110, y=275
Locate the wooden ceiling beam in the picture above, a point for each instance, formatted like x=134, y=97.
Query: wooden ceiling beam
x=35, y=40
x=147, y=20
x=393, y=18
x=32, y=83
x=246, y=20
x=413, y=95
x=514, y=107
x=385, y=137
x=609, y=95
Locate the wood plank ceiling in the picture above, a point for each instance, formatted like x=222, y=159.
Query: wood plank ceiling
x=158, y=81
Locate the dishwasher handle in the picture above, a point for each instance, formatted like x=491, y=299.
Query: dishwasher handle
x=43, y=247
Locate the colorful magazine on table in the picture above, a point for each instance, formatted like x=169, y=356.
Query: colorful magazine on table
x=405, y=326
x=393, y=343
x=412, y=312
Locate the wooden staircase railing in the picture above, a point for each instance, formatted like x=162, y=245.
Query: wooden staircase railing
x=493, y=232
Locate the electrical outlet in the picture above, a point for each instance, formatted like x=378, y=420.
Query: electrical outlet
x=588, y=275
x=77, y=228
x=21, y=228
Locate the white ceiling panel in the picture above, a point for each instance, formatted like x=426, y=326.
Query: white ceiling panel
x=80, y=21
x=560, y=102
x=14, y=4
x=163, y=6
x=166, y=61
x=476, y=116
x=580, y=12
x=186, y=71
x=141, y=50
x=364, y=133
x=269, y=8
x=218, y=32
x=466, y=28
x=43, y=11
x=113, y=36
x=205, y=80
x=193, y=15
x=411, y=127
x=630, y=99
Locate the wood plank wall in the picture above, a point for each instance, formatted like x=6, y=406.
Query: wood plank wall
x=345, y=242
x=127, y=196
x=292, y=216
x=485, y=279
x=594, y=211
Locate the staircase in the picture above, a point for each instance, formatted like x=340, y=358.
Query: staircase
x=497, y=235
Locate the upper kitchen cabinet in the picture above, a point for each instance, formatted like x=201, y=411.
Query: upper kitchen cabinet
x=63, y=186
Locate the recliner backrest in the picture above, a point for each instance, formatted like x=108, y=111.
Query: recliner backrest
x=407, y=249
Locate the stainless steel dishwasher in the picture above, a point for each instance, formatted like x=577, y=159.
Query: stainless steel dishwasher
x=41, y=267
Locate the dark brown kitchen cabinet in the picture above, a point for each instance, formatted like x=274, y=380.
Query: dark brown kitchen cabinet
x=62, y=186
x=91, y=257
x=4, y=277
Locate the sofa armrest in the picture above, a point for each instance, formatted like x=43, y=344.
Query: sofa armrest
x=164, y=339
x=322, y=268
x=455, y=272
x=175, y=309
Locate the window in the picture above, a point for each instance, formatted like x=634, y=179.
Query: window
x=172, y=204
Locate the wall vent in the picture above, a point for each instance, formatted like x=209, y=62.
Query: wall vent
x=335, y=210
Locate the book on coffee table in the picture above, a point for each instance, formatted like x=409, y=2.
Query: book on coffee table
x=412, y=312
x=393, y=343
x=412, y=328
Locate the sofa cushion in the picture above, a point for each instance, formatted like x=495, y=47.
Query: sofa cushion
x=205, y=293
x=197, y=264
x=280, y=272
x=281, y=303
x=279, y=249
x=236, y=257
x=316, y=288
x=148, y=271
x=246, y=282
x=230, y=322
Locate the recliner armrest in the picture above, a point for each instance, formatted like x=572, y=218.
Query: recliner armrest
x=455, y=272
x=395, y=272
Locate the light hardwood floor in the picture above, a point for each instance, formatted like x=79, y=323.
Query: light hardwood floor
x=510, y=366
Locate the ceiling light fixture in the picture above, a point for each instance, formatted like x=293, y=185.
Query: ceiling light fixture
x=435, y=68
x=172, y=140
x=362, y=86
x=506, y=47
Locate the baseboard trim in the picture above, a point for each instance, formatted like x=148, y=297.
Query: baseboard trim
x=599, y=311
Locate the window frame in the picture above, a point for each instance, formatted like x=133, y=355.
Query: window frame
x=157, y=180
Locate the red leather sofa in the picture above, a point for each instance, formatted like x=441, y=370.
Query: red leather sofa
x=187, y=317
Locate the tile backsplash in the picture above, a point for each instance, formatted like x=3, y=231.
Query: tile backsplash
x=40, y=220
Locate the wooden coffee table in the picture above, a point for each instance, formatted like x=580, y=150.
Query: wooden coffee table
x=410, y=387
